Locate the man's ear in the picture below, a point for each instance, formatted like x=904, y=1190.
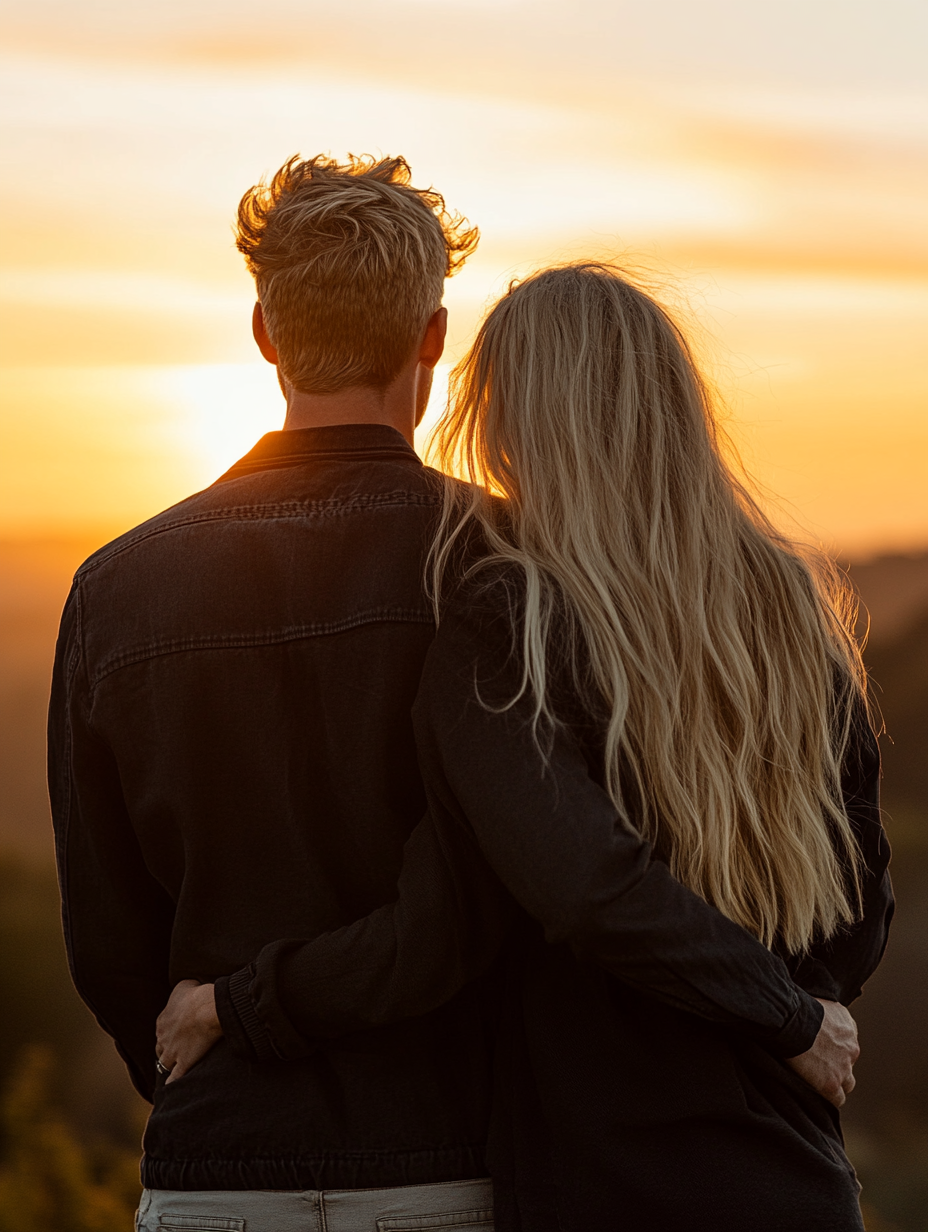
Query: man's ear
x=433, y=340
x=265, y=346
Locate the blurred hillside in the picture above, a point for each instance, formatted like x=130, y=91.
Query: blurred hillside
x=886, y=1119
x=81, y=1081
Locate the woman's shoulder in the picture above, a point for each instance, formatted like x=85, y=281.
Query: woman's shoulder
x=485, y=587
x=478, y=573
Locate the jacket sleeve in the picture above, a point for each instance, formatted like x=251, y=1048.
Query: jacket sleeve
x=550, y=834
x=117, y=919
x=837, y=969
x=554, y=838
x=447, y=925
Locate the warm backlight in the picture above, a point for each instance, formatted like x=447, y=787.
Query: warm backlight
x=784, y=222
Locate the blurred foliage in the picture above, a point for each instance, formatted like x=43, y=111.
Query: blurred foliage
x=49, y=1180
x=69, y=1121
x=41, y=1004
x=886, y=1120
x=893, y=1170
x=898, y=673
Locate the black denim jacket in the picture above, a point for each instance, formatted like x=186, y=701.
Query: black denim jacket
x=233, y=772
x=231, y=761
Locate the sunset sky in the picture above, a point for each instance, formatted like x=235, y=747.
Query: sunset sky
x=764, y=163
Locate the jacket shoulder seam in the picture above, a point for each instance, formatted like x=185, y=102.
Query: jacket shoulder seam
x=243, y=641
x=271, y=511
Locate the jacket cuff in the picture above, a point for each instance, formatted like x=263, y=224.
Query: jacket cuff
x=798, y=1033
x=814, y=977
x=243, y=1029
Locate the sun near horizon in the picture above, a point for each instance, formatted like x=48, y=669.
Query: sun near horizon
x=772, y=194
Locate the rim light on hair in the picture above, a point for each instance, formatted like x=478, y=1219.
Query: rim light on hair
x=716, y=651
x=350, y=262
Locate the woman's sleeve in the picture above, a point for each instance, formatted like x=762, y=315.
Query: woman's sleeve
x=502, y=815
x=837, y=970
x=554, y=838
x=445, y=928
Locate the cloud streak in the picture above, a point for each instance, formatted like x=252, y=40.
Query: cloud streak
x=773, y=184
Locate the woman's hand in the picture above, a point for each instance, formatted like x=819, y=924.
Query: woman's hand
x=187, y=1027
x=828, y=1066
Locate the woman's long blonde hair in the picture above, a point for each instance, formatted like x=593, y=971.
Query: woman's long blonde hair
x=717, y=650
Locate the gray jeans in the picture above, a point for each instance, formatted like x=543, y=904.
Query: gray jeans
x=462, y=1206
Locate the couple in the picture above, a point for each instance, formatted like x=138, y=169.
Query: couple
x=449, y=855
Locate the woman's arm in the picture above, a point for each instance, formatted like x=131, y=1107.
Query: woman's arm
x=555, y=840
x=501, y=813
x=447, y=925
x=445, y=928
x=837, y=970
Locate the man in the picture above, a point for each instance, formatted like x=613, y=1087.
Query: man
x=231, y=749
x=232, y=761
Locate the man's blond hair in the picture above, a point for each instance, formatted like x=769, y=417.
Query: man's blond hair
x=350, y=262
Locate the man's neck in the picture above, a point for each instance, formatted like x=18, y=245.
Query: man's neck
x=394, y=406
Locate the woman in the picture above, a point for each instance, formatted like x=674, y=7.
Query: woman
x=627, y=652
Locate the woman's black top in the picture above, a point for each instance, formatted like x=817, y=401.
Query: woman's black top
x=640, y=1080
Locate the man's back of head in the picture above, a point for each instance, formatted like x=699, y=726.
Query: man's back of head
x=349, y=261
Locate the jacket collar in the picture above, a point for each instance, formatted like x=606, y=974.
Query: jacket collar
x=361, y=442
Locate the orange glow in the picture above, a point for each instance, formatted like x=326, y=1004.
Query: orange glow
x=784, y=221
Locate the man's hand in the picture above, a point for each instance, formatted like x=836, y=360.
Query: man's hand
x=187, y=1027
x=828, y=1066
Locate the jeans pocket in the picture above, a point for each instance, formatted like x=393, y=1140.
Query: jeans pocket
x=458, y=1221
x=198, y=1223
